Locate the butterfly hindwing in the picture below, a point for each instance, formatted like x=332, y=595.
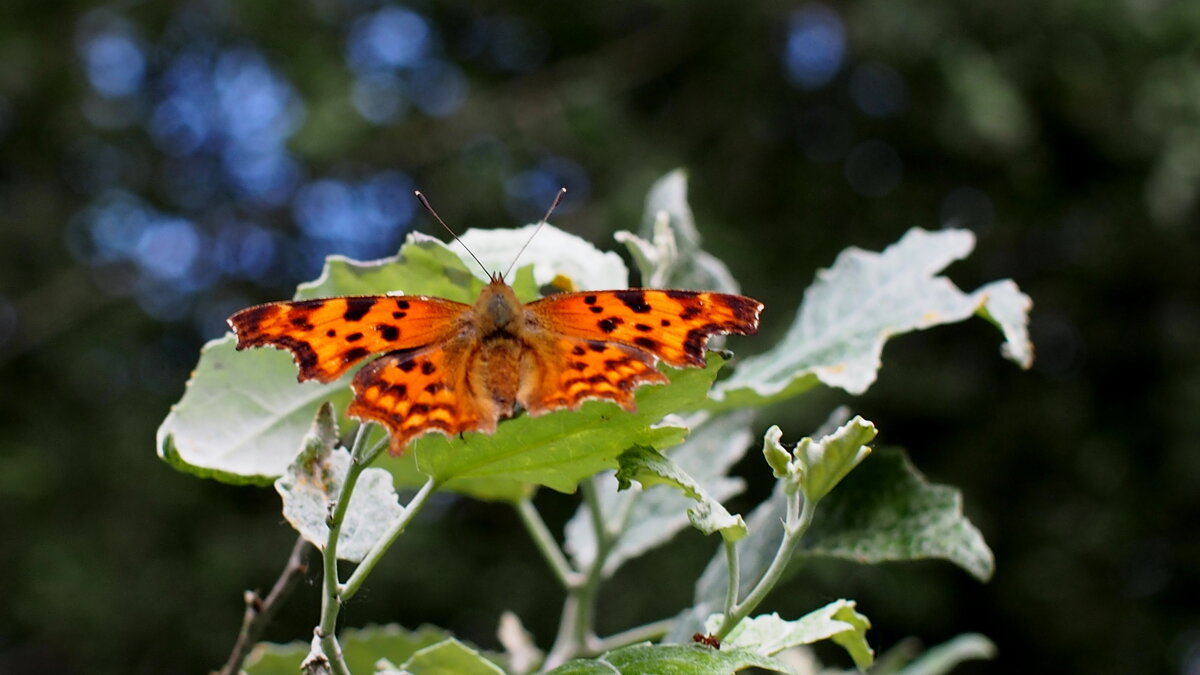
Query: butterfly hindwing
x=415, y=391
x=570, y=370
x=328, y=336
x=672, y=325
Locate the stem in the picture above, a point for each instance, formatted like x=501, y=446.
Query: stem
x=795, y=525
x=348, y=589
x=734, y=574
x=650, y=631
x=575, y=631
x=260, y=611
x=546, y=543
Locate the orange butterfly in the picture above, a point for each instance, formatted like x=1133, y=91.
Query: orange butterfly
x=450, y=367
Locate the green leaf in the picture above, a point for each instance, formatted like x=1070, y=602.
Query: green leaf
x=667, y=247
x=855, y=306
x=362, y=647
x=649, y=467
x=887, y=511
x=768, y=634
x=945, y=657
x=448, y=657
x=656, y=516
x=689, y=659
x=823, y=464
x=424, y=266
x=313, y=483
x=561, y=448
x=243, y=415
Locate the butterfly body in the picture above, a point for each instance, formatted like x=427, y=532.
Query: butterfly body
x=449, y=367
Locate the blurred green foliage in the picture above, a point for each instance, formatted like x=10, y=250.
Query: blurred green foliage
x=1066, y=135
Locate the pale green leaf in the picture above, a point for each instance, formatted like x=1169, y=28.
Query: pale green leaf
x=551, y=253
x=823, y=464
x=887, y=511
x=854, y=307
x=313, y=482
x=362, y=648
x=1002, y=303
x=943, y=658
x=769, y=634
x=559, y=449
x=243, y=415
x=667, y=247
x=656, y=516
x=448, y=657
x=649, y=467
x=689, y=659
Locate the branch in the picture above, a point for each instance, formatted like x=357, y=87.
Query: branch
x=259, y=611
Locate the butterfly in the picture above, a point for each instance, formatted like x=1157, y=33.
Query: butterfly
x=444, y=366
x=450, y=367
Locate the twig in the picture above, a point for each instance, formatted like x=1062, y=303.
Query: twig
x=260, y=611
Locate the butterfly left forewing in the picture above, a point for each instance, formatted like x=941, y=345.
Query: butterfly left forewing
x=328, y=336
x=673, y=325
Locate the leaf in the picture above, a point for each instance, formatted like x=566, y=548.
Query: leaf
x=667, y=248
x=856, y=305
x=551, y=253
x=243, y=415
x=313, y=483
x=649, y=467
x=561, y=448
x=944, y=657
x=656, y=516
x=689, y=659
x=362, y=647
x=887, y=511
x=448, y=657
x=1002, y=303
x=768, y=634
x=823, y=464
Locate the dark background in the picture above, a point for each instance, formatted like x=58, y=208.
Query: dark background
x=162, y=164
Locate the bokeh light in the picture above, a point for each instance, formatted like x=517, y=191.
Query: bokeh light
x=529, y=193
x=816, y=46
x=113, y=61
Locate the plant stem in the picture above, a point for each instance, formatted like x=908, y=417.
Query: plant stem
x=348, y=589
x=575, y=631
x=650, y=631
x=546, y=543
x=796, y=523
x=734, y=575
x=260, y=611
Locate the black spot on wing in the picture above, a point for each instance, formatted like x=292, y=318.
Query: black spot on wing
x=402, y=304
x=428, y=367
x=408, y=365
x=354, y=337
x=646, y=343
x=680, y=295
x=589, y=300
x=578, y=351
x=388, y=332
x=642, y=327
x=610, y=324
x=633, y=299
x=357, y=308
x=352, y=355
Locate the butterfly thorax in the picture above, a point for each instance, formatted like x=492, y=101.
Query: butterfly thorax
x=499, y=320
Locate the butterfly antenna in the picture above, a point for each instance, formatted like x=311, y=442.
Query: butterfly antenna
x=542, y=223
x=425, y=202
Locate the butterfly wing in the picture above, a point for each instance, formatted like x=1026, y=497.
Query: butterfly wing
x=672, y=325
x=569, y=370
x=328, y=336
x=415, y=391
